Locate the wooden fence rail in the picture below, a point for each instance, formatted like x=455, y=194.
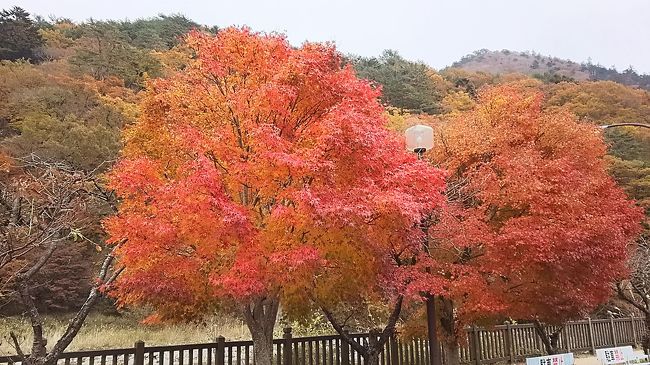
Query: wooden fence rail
x=498, y=344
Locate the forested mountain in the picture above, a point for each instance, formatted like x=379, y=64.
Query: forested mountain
x=547, y=68
x=67, y=90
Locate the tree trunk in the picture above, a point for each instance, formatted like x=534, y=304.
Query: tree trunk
x=449, y=328
x=371, y=358
x=645, y=340
x=452, y=355
x=373, y=348
x=39, y=342
x=549, y=340
x=260, y=316
x=432, y=330
x=39, y=354
x=262, y=348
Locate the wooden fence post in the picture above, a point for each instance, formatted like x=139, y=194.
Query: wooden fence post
x=591, y=337
x=510, y=350
x=476, y=345
x=636, y=340
x=221, y=351
x=139, y=353
x=611, y=327
x=394, y=350
x=287, y=347
x=345, y=352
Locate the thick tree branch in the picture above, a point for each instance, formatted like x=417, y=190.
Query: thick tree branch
x=624, y=296
x=342, y=332
x=392, y=321
x=95, y=293
x=41, y=261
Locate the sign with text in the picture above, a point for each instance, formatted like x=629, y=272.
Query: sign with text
x=619, y=355
x=559, y=359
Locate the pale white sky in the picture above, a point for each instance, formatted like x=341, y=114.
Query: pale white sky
x=611, y=32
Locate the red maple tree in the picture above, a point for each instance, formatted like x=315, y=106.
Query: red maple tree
x=535, y=230
x=247, y=169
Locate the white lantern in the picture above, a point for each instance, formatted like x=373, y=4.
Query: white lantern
x=419, y=138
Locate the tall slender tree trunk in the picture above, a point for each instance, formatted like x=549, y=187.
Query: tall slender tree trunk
x=432, y=330
x=260, y=316
x=39, y=343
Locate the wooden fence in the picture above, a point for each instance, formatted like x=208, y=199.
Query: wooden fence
x=499, y=344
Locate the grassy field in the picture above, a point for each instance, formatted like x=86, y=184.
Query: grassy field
x=102, y=331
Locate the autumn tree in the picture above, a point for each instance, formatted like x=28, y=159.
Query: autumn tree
x=65, y=120
x=45, y=207
x=467, y=81
x=242, y=172
x=536, y=229
x=59, y=42
x=606, y=102
x=119, y=42
x=601, y=102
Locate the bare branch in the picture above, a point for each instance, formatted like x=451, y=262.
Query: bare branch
x=16, y=346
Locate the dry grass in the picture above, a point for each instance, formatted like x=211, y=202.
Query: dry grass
x=102, y=331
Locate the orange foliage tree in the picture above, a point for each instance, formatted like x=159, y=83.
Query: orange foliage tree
x=535, y=230
x=245, y=172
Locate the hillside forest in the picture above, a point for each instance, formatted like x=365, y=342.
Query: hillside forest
x=69, y=89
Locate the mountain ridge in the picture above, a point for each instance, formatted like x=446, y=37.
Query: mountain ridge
x=547, y=68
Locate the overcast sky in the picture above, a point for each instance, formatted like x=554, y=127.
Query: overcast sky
x=610, y=32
